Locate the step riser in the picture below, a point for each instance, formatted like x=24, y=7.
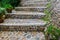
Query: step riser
x=30, y=9
x=33, y=0
x=22, y=28
x=24, y=16
x=32, y=4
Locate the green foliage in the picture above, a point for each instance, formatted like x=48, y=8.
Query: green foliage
x=0, y=0
x=8, y=6
x=47, y=17
x=2, y=11
x=53, y=31
x=47, y=12
x=48, y=5
x=12, y=2
x=3, y=2
x=0, y=3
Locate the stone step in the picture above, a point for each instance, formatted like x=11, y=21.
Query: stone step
x=33, y=2
x=25, y=15
x=23, y=24
x=41, y=8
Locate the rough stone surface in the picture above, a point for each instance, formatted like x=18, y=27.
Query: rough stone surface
x=38, y=8
x=56, y=15
x=23, y=24
x=17, y=35
x=25, y=15
x=13, y=29
x=33, y=2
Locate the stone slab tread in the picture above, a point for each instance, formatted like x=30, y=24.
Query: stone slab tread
x=23, y=22
x=31, y=7
x=27, y=13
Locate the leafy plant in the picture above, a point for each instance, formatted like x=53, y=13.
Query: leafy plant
x=14, y=2
x=53, y=31
x=11, y=2
x=48, y=5
x=47, y=12
x=2, y=11
x=47, y=17
x=3, y=2
x=0, y=3
x=8, y=6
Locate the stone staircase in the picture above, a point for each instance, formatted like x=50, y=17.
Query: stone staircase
x=25, y=22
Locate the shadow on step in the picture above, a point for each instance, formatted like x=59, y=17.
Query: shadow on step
x=30, y=29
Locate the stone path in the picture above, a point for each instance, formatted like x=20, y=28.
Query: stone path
x=14, y=35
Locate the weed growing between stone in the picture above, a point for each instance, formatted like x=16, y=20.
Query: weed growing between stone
x=52, y=32
x=48, y=13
